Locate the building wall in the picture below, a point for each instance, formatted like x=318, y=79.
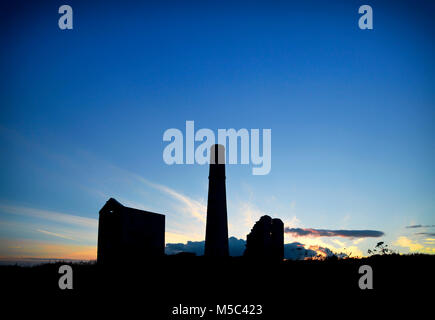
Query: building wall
x=143, y=234
x=127, y=234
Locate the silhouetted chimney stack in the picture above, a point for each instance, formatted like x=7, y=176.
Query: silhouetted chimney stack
x=216, y=233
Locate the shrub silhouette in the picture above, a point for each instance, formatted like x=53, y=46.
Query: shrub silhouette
x=381, y=248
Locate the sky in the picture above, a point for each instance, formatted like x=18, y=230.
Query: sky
x=351, y=114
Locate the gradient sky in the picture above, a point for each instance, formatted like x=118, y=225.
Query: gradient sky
x=83, y=113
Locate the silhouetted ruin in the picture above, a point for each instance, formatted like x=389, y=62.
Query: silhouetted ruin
x=128, y=233
x=266, y=239
x=216, y=234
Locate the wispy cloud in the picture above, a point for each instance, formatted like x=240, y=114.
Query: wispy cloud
x=430, y=234
x=250, y=214
x=420, y=226
x=196, y=208
x=54, y=234
x=50, y=215
x=308, y=232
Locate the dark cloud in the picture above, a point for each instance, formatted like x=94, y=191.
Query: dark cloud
x=196, y=247
x=292, y=251
x=300, y=232
x=297, y=251
x=236, y=247
x=430, y=234
x=420, y=226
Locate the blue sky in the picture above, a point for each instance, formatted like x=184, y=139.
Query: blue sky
x=83, y=113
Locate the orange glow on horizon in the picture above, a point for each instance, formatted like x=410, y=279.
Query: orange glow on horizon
x=28, y=249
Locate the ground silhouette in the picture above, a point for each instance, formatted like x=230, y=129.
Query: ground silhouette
x=155, y=286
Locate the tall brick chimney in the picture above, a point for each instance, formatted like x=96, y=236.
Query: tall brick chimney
x=216, y=233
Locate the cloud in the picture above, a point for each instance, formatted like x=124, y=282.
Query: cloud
x=297, y=251
x=50, y=215
x=54, y=234
x=308, y=232
x=359, y=240
x=431, y=234
x=236, y=247
x=196, y=208
x=420, y=226
x=67, y=227
x=196, y=247
x=408, y=243
x=292, y=251
x=294, y=222
x=250, y=213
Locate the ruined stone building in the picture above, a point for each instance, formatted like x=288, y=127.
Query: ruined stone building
x=128, y=234
x=266, y=239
